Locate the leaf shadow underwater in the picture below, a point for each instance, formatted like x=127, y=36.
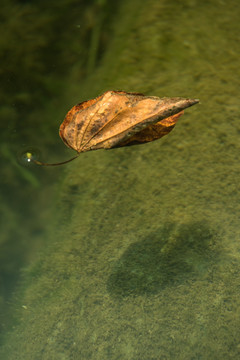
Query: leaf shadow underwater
x=172, y=255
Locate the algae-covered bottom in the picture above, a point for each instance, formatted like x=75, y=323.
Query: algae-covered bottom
x=143, y=253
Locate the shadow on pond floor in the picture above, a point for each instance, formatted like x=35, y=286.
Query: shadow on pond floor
x=172, y=255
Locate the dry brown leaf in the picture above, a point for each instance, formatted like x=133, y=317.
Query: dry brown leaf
x=118, y=118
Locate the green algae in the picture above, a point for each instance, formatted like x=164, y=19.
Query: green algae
x=143, y=255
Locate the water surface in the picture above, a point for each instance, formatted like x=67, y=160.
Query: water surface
x=131, y=253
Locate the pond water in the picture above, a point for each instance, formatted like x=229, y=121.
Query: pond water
x=131, y=253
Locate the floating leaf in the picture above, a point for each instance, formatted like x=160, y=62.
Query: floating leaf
x=117, y=119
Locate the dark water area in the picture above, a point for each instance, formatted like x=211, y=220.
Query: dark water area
x=38, y=55
x=131, y=253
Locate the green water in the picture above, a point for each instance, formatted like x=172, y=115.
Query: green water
x=131, y=253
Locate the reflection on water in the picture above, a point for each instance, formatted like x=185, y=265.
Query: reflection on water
x=131, y=253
